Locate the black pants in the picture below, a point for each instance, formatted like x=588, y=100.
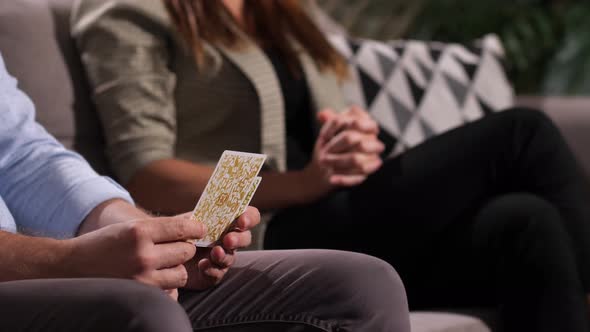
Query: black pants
x=495, y=213
x=290, y=291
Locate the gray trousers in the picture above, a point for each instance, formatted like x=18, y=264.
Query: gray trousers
x=302, y=290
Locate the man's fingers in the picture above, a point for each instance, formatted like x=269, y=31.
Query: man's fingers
x=248, y=220
x=237, y=240
x=173, y=253
x=212, y=273
x=221, y=257
x=173, y=293
x=175, y=229
x=170, y=278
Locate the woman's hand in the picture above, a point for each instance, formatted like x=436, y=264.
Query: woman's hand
x=210, y=265
x=347, y=149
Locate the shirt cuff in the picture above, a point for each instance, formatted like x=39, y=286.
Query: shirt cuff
x=80, y=201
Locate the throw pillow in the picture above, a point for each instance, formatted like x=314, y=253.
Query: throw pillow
x=417, y=89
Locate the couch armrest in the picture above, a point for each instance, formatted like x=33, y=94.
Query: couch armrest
x=572, y=116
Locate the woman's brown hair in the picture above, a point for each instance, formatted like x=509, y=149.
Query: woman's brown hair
x=270, y=22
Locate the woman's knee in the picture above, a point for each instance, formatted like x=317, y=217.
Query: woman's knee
x=527, y=119
x=517, y=213
x=526, y=230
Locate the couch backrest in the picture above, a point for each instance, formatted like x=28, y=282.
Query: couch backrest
x=38, y=50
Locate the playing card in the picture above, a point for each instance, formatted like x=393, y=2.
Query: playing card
x=255, y=182
x=226, y=192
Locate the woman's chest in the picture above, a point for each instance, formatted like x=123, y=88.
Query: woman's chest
x=223, y=100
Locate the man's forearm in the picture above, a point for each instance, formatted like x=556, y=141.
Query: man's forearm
x=24, y=257
x=110, y=212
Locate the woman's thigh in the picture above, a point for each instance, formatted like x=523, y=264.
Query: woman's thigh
x=418, y=210
x=437, y=187
x=327, y=223
x=435, y=190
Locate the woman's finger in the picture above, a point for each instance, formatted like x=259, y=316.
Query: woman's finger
x=352, y=163
x=333, y=127
x=361, y=120
x=354, y=141
x=325, y=115
x=364, y=124
x=347, y=180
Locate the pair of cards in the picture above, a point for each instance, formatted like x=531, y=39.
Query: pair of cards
x=228, y=193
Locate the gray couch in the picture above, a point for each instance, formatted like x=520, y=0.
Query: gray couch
x=35, y=42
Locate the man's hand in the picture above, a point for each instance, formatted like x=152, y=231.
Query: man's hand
x=210, y=265
x=151, y=251
x=347, y=149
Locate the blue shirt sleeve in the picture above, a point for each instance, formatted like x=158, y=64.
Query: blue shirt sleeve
x=48, y=189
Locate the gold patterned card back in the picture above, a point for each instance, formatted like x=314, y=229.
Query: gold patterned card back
x=225, y=193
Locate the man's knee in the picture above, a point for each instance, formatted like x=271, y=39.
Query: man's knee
x=131, y=306
x=369, y=286
x=90, y=305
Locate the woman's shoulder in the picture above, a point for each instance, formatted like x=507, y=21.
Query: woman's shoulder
x=87, y=13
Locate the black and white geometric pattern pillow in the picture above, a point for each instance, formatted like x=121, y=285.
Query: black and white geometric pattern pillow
x=416, y=89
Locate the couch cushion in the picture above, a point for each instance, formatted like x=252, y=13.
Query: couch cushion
x=36, y=45
x=446, y=322
x=572, y=115
x=417, y=89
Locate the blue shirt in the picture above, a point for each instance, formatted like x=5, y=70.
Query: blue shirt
x=45, y=189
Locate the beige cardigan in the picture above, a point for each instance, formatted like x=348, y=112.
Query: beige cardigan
x=155, y=104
